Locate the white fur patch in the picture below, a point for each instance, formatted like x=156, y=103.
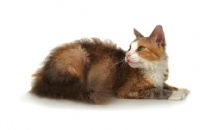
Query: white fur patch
x=156, y=71
x=178, y=95
x=134, y=56
x=134, y=59
x=134, y=46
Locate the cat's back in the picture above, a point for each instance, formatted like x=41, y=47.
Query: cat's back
x=102, y=50
x=88, y=50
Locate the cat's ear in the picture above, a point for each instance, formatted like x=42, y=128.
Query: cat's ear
x=158, y=36
x=137, y=34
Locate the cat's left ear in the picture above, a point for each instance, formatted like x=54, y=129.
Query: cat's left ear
x=158, y=36
x=137, y=33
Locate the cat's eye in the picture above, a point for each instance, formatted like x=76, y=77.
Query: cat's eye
x=140, y=48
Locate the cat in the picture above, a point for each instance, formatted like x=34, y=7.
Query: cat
x=93, y=71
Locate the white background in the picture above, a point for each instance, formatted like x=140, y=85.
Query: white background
x=29, y=29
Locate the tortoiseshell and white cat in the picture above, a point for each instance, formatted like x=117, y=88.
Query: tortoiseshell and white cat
x=92, y=70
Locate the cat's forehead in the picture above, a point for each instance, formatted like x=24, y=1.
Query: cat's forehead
x=144, y=41
x=133, y=42
x=141, y=41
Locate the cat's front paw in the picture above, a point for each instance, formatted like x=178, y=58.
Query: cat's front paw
x=178, y=95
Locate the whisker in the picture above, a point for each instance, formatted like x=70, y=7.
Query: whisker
x=122, y=65
x=122, y=60
x=125, y=64
x=119, y=61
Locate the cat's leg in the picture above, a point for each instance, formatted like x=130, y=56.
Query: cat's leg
x=170, y=88
x=149, y=93
x=99, y=83
x=153, y=93
x=177, y=93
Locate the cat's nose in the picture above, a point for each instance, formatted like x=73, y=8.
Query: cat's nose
x=128, y=54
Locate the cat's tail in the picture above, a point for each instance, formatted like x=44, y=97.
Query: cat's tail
x=93, y=92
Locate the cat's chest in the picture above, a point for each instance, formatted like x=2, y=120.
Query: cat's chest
x=157, y=78
x=156, y=74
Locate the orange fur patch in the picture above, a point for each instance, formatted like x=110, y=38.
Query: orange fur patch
x=71, y=60
x=152, y=52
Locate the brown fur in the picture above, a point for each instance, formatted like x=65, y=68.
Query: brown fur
x=92, y=70
x=70, y=72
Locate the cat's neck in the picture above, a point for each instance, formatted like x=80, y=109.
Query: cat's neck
x=156, y=72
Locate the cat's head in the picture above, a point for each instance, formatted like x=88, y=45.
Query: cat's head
x=144, y=50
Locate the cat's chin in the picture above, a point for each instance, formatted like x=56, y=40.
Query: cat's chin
x=135, y=64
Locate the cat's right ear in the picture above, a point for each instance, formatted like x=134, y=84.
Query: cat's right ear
x=137, y=33
x=158, y=36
